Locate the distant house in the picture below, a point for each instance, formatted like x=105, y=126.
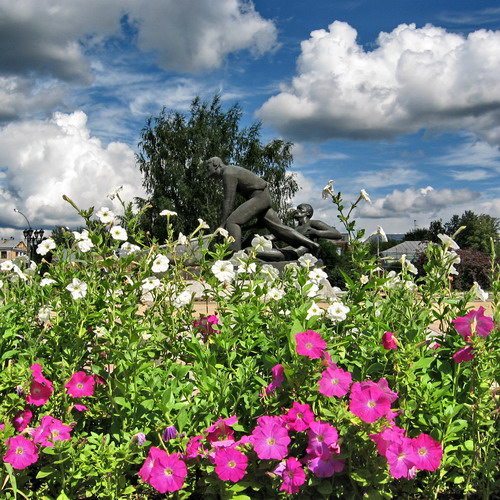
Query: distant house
x=11, y=248
x=409, y=248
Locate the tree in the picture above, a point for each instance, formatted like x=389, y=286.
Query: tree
x=426, y=234
x=172, y=151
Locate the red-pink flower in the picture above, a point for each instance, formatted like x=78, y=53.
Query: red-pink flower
x=387, y=437
x=270, y=439
x=427, y=452
x=230, y=464
x=21, y=452
x=220, y=433
x=322, y=439
x=310, y=344
x=473, y=323
x=168, y=473
x=369, y=403
x=388, y=341
x=193, y=447
x=80, y=407
x=299, y=417
x=464, y=354
x=205, y=325
x=39, y=393
x=36, y=370
x=153, y=456
x=80, y=384
x=400, y=456
x=22, y=419
x=293, y=476
x=335, y=382
x=325, y=466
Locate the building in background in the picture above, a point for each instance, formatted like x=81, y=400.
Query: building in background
x=11, y=248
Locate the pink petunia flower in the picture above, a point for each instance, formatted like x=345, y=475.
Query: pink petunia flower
x=168, y=473
x=310, y=344
x=322, y=439
x=464, y=354
x=21, y=452
x=80, y=407
x=220, y=433
x=473, y=323
x=427, y=452
x=325, y=466
x=230, y=464
x=22, y=419
x=80, y=384
x=369, y=403
x=299, y=417
x=153, y=456
x=400, y=456
x=39, y=393
x=293, y=476
x=388, y=436
x=388, y=341
x=193, y=447
x=270, y=439
x=36, y=370
x=335, y=382
x=51, y=429
x=278, y=374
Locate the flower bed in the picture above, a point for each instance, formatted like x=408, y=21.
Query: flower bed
x=277, y=394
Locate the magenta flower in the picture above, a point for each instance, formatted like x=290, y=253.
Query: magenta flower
x=270, y=439
x=21, y=452
x=168, y=473
x=473, y=323
x=335, y=382
x=36, y=370
x=22, y=419
x=80, y=385
x=230, y=464
x=205, y=325
x=388, y=436
x=80, y=407
x=193, y=447
x=427, y=452
x=464, y=354
x=39, y=393
x=310, y=344
x=384, y=385
x=299, y=417
x=51, y=429
x=388, y=341
x=220, y=433
x=369, y=403
x=400, y=456
x=293, y=476
x=322, y=439
x=278, y=373
x=325, y=466
x=154, y=455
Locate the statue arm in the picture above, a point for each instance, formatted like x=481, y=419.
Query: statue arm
x=230, y=187
x=323, y=230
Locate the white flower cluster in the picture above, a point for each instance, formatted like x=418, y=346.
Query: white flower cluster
x=82, y=240
x=77, y=288
x=45, y=246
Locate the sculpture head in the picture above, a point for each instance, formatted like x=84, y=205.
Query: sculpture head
x=304, y=211
x=214, y=166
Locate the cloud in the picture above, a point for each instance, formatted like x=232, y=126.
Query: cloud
x=43, y=160
x=415, y=78
x=426, y=200
x=389, y=177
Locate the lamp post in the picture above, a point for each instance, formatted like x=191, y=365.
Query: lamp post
x=33, y=238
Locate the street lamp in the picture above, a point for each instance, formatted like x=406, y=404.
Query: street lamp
x=33, y=238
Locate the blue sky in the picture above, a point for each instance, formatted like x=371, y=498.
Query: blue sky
x=397, y=97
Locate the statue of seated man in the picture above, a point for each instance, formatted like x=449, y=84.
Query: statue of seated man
x=257, y=204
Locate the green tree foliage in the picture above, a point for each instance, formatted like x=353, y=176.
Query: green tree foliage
x=172, y=151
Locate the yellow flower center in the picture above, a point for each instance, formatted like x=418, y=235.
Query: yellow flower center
x=231, y=464
x=19, y=450
x=270, y=441
x=168, y=471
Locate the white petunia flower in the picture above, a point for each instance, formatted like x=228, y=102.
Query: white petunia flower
x=317, y=275
x=363, y=195
x=77, y=288
x=46, y=246
x=479, y=292
x=83, y=241
x=307, y=260
x=337, y=311
x=47, y=281
x=313, y=289
x=269, y=273
x=203, y=224
x=1, y=283
x=115, y=193
x=6, y=265
x=223, y=270
x=182, y=239
x=261, y=243
x=314, y=310
x=448, y=242
x=150, y=283
x=160, y=264
x=168, y=213
x=127, y=249
x=106, y=216
x=44, y=314
x=118, y=233
x=274, y=293
x=364, y=279
x=183, y=299
x=327, y=190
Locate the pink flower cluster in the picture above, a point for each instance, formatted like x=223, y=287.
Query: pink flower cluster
x=205, y=325
x=474, y=323
x=21, y=451
x=370, y=401
x=40, y=389
x=405, y=455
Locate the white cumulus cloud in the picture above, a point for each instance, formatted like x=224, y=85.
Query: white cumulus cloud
x=40, y=161
x=415, y=78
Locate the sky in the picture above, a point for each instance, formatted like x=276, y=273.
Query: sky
x=396, y=97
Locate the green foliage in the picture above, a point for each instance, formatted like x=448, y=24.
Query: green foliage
x=171, y=157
